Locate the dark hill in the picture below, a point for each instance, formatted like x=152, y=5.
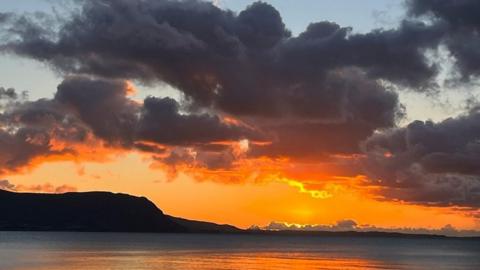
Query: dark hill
x=110, y=212
x=93, y=212
x=205, y=227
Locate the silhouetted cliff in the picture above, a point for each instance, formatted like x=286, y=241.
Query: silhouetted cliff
x=91, y=211
x=110, y=212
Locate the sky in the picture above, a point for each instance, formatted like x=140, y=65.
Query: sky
x=247, y=113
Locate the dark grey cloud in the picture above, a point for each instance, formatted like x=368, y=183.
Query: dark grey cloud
x=162, y=122
x=103, y=105
x=396, y=55
x=461, y=24
x=313, y=96
x=84, y=107
x=247, y=65
x=8, y=93
x=212, y=157
x=260, y=26
x=195, y=46
x=5, y=17
x=333, y=119
x=463, y=13
x=32, y=129
x=430, y=163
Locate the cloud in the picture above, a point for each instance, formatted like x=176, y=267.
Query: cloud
x=351, y=225
x=31, y=129
x=162, y=122
x=197, y=54
x=6, y=185
x=87, y=112
x=341, y=225
x=245, y=65
x=461, y=26
x=427, y=162
x=105, y=107
x=8, y=93
x=102, y=105
x=244, y=77
x=5, y=17
x=333, y=119
x=43, y=188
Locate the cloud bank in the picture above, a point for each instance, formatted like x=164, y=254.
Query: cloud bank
x=351, y=225
x=250, y=90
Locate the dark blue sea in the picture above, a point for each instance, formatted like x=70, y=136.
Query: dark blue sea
x=72, y=251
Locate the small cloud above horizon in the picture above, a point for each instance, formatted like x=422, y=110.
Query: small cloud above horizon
x=346, y=225
x=40, y=188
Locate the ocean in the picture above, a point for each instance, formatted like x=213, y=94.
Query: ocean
x=128, y=251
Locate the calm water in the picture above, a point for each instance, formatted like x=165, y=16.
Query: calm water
x=54, y=251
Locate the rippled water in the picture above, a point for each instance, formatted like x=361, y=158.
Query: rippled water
x=55, y=251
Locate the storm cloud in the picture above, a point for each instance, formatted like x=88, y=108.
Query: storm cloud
x=461, y=24
x=29, y=129
x=435, y=163
x=104, y=106
x=247, y=65
x=86, y=108
x=245, y=77
x=207, y=52
x=8, y=93
x=426, y=162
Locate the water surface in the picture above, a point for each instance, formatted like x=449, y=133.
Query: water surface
x=55, y=251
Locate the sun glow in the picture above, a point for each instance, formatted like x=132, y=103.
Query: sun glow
x=317, y=194
x=262, y=196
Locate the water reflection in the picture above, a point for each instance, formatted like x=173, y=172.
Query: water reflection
x=72, y=251
x=196, y=261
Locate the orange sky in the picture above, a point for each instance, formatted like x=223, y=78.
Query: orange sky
x=237, y=119
x=240, y=204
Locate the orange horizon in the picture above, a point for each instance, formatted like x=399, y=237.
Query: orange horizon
x=271, y=196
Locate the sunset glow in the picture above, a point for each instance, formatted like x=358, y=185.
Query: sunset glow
x=258, y=201
x=247, y=118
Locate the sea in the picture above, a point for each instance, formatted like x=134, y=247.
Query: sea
x=129, y=251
